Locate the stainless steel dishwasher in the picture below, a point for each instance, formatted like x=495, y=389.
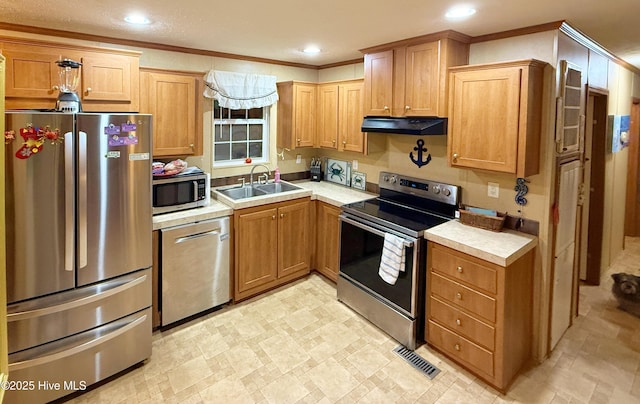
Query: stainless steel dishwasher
x=195, y=268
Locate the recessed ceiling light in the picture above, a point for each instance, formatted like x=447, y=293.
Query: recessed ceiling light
x=137, y=19
x=311, y=50
x=460, y=12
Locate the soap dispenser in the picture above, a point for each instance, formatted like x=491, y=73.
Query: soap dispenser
x=276, y=175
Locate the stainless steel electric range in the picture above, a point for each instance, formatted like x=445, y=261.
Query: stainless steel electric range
x=406, y=207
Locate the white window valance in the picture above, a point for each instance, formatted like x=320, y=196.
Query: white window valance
x=240, y=90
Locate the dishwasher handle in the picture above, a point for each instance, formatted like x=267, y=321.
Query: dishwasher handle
x=197, y=235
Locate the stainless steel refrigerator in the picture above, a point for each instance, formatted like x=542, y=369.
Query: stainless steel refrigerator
x=78, y=214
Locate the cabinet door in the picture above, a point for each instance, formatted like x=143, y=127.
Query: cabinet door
x=106, y=78
x=171, y=98
x=31, y=72
x=294, y=253
x=422, y=84
x=328, y=116
x=378, y=83
x=256, y=249
x=484, y=119
x=304, y=115
x=350, y=117
x=328, y=240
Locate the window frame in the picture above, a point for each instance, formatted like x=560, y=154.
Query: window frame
x=264, y=121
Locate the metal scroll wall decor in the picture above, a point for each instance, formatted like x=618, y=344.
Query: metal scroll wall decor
x=521, y=190
x=421, y=150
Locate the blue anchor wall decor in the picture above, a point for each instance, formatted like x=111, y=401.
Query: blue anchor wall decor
x=420, y=149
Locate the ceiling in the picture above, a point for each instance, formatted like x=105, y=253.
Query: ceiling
x=279, y=29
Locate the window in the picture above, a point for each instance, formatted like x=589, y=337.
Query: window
x=239, y=134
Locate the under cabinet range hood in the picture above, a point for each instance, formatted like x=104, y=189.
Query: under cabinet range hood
x=405, y=126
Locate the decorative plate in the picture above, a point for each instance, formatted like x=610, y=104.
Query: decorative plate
x=358, y=180
x=338, y=171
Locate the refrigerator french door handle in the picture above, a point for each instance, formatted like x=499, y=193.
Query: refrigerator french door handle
x=69, y=203
x=82, y=199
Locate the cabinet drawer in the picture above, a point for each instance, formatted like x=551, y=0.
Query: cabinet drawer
x=464, y=297
x=464, y=270
x=465, y=351
x=462, y=323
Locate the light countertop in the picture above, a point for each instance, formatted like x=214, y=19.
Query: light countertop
x=214, y=210
x=501, y=248
x=334, y=194
x=327, y=192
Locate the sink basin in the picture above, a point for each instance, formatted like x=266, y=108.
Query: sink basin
x=276, y=187
x=257, y=190
x=241, y=193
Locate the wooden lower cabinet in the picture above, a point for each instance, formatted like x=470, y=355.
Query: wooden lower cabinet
x=328, y=240
x=272, y=246
x=479, y=314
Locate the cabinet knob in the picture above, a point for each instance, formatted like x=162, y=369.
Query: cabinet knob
x=55, y=88
x=192, y=146
x=457, y=347
x=455, y=157
x=333, y=141
x=459, y=296
x=298, y=141
x=344, y=142
x=459, y=269
x=273, y=217
x=281, y=215
x=88, y=90
x=458, y=321
x=407, y=107
x=386, y=108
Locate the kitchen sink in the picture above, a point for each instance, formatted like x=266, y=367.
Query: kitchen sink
x=248, y=191
x=276, y=187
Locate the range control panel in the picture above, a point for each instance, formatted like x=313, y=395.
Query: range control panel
x=439, y=191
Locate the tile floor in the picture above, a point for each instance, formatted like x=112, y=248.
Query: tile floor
x=299, y=345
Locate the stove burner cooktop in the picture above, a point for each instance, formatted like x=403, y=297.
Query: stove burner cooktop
x=408, y=205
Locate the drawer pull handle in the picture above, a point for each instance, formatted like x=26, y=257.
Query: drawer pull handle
x=457, y=347
x=458, y=321
x=459, y=269
x=459, y=296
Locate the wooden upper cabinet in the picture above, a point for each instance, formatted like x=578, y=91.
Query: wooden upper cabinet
x=174, y=99
x=378, y=83
x=296, y=114
x=409, y=79
x=31, y=72
x=422, y=81
x=108, y=77
x=494, y=117
x=340, y=106
x=327, y=128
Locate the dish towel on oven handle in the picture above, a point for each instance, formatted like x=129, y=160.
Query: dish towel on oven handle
x=392, y=261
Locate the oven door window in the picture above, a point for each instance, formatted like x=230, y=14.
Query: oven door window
x=360, y=253
x=173, y=193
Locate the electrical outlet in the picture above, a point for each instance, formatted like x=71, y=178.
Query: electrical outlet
x=493, y=190
x=354, y=164
x=298, y=158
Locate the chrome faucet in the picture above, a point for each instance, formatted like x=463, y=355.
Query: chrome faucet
x=253, y=168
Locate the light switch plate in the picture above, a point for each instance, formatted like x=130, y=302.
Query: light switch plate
x=493, y=190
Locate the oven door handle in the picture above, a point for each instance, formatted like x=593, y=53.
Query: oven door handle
x=373, y=230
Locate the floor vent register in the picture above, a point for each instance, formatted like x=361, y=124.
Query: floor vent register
x=417, y=361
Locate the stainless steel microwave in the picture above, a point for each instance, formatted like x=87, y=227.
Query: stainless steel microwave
x=180, y=192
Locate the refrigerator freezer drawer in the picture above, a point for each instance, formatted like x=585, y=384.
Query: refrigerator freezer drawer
x=86, y=358
x=195, y=268
x=53, y=317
